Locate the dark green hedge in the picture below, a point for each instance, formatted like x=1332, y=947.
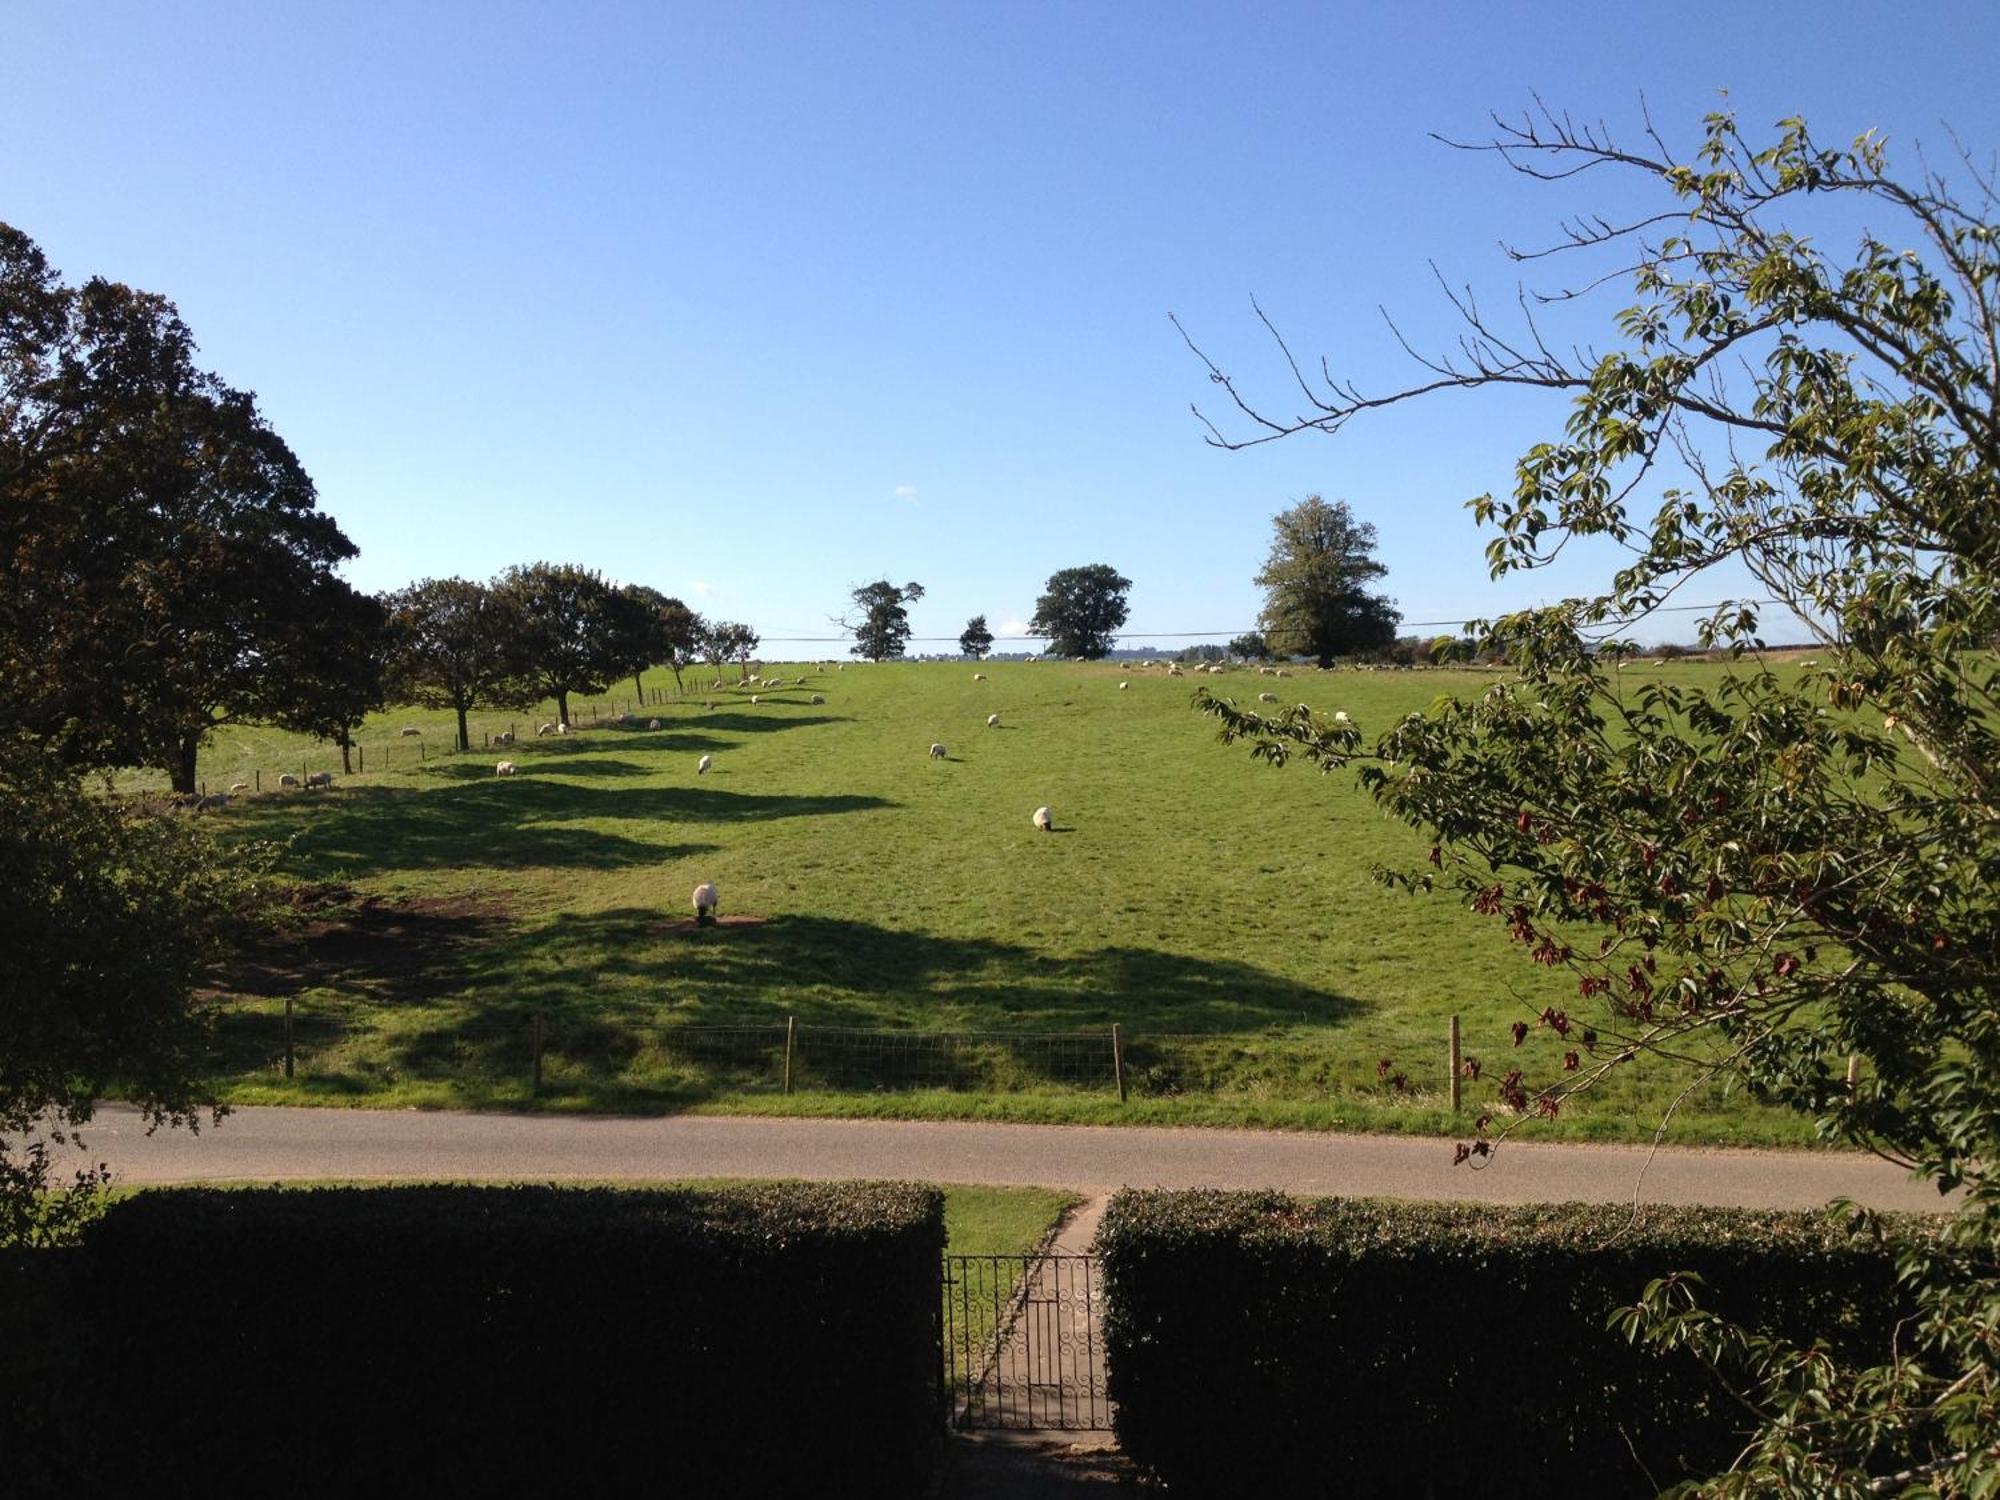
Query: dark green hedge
x=508, y=1340
x=1262, y=1345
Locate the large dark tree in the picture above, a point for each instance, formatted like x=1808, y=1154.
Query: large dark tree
x=1080, y=611
x=164, y=567
x=572, y=628
x=1779, y=867
x=975, y=640
x=454, y=643
x=1316, y=600
x=881, y=622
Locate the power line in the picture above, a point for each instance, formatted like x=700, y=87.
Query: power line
x=1182, y=635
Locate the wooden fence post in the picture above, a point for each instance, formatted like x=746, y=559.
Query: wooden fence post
x=535, y=1083
x=259, y=774
x=288, y=1036
x=1118, y=1060
x=1457, y=1063
x=791, y=1048
x=362, y=751
x=1853, y=1070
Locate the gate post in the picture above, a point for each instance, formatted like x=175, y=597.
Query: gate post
x=791, y=1048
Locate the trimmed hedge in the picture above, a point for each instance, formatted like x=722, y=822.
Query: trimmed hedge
x=1258, y=1344
x=504, y=1340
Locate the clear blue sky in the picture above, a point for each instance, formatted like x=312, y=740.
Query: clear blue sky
x=755, y=303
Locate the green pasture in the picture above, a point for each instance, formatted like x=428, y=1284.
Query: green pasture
x=1219, y=911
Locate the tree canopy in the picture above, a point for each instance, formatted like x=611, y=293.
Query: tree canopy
x=167, y=568
x=454, y=643
x=975, y=640
x=575, y=630
x=1789, y=865
x=726, y=640
x=1080, y=611
x=1316, y=599
x=881, y=624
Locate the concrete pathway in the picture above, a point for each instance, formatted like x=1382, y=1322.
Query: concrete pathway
x=268, y=1144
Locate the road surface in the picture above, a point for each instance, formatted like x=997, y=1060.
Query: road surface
x=271, y=1144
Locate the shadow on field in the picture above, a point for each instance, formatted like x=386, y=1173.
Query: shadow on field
x=495, y=821
x=842, y=973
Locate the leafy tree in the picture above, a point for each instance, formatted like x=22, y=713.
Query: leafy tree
x=1251, y=646
x=883, y=626
x=112, y=912
x=454, y=643
x=680, y=633
x=975, y=640
x=574, y=631
x=1316, y=599
x=167, y=568
x=1793, y=865
x=1080, y=611
x=1205, y=652
x=725, y=641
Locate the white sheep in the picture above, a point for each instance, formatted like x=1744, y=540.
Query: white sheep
x=993, y=721
x=505, y=768
x=408, y=733
x=1045, y=820
x=504, y=737
x=1267, y=697
x=652, y=723
x=563, y=727
x=938, y=752
x=320, y=778
x=701, y=766
x=754, y=698
x=817, y=699
x=1123, y=685
x=706, y=899
x=545, y=729
x=288, y=779
x=238, y=788
x=978, y=676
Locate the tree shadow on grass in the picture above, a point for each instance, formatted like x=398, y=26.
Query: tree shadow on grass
x=831, y=972
x=506, y=822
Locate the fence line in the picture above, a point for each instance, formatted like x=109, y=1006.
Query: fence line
x=787, y=1055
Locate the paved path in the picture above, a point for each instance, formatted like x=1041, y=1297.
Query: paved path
x=263, y=1144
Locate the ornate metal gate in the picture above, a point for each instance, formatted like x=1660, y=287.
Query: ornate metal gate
x=1023, y=1343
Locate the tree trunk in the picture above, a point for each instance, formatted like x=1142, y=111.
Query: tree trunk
x=181, y=772
x=562, y=706
x=464, y=738
x=346, y=753
x=680, y=687
x=638, y=690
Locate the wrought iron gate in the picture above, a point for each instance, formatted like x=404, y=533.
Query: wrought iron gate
x=1023, y=1343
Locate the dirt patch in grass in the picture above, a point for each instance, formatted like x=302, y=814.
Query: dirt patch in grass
x=401, y=949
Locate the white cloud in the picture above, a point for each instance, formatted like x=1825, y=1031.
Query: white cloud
x=1012, y=627
x=700, y=586
x=905, y=492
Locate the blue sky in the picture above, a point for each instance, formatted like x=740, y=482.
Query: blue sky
x=755, y=303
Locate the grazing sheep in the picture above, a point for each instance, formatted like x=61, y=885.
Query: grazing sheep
x=1045, y=820
x=407, y=733
x=238, y=788
x=320, y=778
x=1267, y=697
x=1123, y=685
x=993, y=721
x=1340, y=716
x=545, y=729
x=652, y=723
x=817, y=699
x=504, y=737
x=288, y=779
x=708, y=703
x=978, y=676
x=505, y=768
x=701, y=766
x=755, y=699
x=706, y=899
x=563, y=727
x=938, y=752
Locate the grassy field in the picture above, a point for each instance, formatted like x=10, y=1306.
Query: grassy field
x=1221, y=912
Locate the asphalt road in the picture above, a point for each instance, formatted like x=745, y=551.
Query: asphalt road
x=268, y=1145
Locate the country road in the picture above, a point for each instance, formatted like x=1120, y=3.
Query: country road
x=268, y=1145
